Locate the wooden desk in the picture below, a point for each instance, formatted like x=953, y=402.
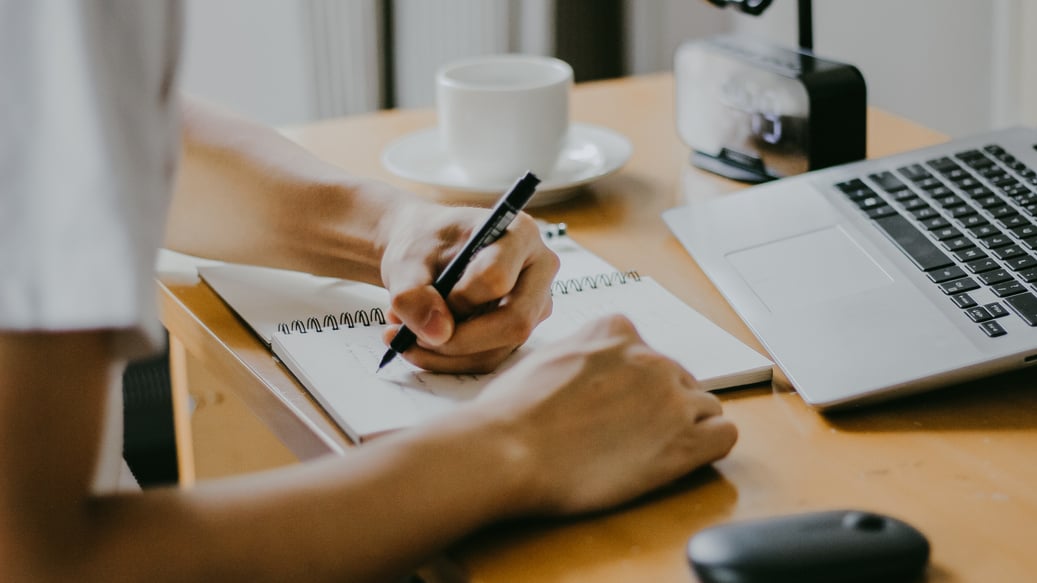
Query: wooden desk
x=960, y=464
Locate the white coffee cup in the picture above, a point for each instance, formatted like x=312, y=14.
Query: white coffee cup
x=501, y=115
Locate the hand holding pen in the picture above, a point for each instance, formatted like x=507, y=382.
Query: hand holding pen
x=503, y=213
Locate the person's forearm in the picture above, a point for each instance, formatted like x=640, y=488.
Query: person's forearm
x=247, y=194
x=374, y=517
x=371, y=514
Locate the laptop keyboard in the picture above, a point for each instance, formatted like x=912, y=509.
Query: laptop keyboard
x=969, y=221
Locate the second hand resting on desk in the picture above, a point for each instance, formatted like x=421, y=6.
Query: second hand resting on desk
x=509, y=205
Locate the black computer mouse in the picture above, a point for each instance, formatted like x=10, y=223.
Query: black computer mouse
x=837, y=546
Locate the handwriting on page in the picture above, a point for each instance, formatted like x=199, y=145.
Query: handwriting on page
x=362, y=350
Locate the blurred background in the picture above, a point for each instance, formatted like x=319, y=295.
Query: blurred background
x=958, y=66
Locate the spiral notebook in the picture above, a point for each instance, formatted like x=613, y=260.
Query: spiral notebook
x=328, y=333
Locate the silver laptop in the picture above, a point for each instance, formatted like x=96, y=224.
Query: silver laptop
x=883, y=277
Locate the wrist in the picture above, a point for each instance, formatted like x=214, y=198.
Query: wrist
x=498, y=458
x=350, y=223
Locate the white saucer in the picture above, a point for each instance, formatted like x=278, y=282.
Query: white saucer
x=591, y=152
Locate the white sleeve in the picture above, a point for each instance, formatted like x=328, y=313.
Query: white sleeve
x=88, y=144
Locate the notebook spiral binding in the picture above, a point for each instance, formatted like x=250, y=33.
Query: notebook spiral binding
x=578, y=284
x=333, y=322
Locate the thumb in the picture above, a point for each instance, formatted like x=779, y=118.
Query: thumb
x=425, y=312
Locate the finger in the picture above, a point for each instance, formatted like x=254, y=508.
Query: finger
x=711, y=440
x=498, y=270
x=425, y=312
x=612, y=325
x=478, y=363
x=499, y=329
x=509, y=324
x=492, y=275
x=688, y=380
x=703, y=405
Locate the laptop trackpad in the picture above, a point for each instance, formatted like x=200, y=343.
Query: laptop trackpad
x=807, y=269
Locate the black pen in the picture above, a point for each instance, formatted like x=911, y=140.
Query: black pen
x=509, y=205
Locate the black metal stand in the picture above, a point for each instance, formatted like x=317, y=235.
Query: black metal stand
x=806, y=26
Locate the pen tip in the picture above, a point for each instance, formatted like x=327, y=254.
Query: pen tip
x=389, y=354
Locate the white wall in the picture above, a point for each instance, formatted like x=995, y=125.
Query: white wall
x=657, y=27
x=249, y=55
x=930, y=60
x=1027, y=96
x=958, y=66
x=431, y=33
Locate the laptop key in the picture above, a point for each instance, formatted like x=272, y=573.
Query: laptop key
x=1008, y=288
x=946, y=274
x=1028, y=275
x=959, y=285
x=989, y=201
x=949, y=200
x=996, y=310
x=887, y=181
x=913, y=243
x=981, y=265
x=943, y=164
x=870, y=202
x=915, y=172
x=914, y=202
x=970, y=254
x=946, y=233
x=851, y=185
x=993, y=277
x=1002, y=212
x=1007, y=252
x=1021, y=262
x=995, y=241
x=984, y=231
x=980, y=163
x=963, y=300
x=1025, y=231
x=992, y=329
x=961, y=211
x=1014, y=221
x=1025, y=305
x=924, y=213
x=929, y=183
x=979, y=314
x=903, y=195
x=880, y=211
x=935, y=223
x=972, y=221
x=957, y=244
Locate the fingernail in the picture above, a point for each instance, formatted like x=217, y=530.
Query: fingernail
x=437, y=327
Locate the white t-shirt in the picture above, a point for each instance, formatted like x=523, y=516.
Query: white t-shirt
x=88, y=145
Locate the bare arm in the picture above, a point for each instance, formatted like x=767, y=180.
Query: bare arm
x=247, y=194
x=368, y=516
x=631, y=420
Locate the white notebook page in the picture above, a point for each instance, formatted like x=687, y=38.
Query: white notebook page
x=339, y=367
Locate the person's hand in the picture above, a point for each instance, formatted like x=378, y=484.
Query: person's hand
x=601, y=418
x=502, y=296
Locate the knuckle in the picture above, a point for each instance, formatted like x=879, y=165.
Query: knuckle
x=552, y=259
x=403, y=300
x=525, y=224
x=493, y=282
x=614, y=325
x=727, y=434
x=517, y=330
x=547, y=310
